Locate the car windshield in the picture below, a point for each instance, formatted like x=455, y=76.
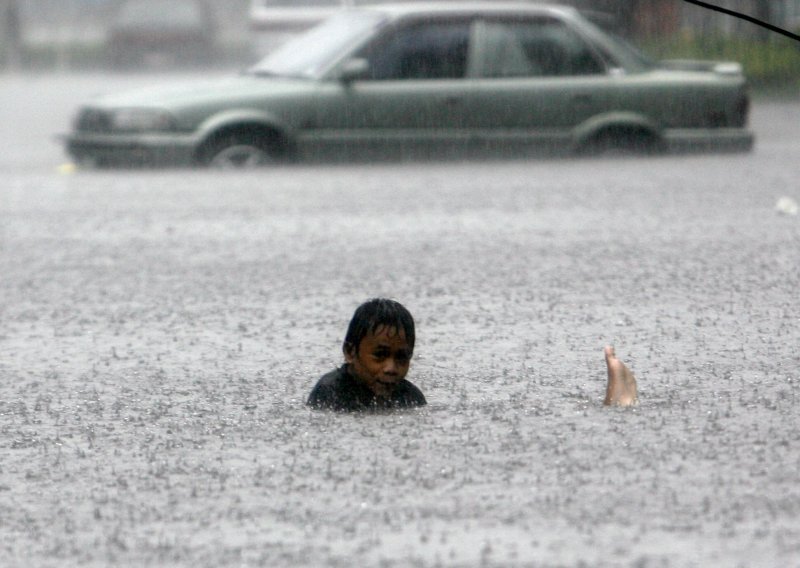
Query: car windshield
x=311, y=54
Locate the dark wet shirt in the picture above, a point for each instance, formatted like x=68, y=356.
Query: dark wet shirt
x=339, y=390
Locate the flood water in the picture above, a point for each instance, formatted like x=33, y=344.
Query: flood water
x=161, y=330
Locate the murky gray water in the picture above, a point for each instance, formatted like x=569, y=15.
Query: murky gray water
x=160, y=331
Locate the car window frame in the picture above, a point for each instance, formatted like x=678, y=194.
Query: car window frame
x=615, y=57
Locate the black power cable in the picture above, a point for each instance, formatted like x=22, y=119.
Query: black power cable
x=751, y=19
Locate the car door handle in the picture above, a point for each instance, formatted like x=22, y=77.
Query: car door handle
x=451, y=100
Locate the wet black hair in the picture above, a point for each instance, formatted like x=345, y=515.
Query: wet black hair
x=377, y=313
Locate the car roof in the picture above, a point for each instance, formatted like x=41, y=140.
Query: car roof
x=396, y=10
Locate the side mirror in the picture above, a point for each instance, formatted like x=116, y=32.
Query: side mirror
x=354, y=69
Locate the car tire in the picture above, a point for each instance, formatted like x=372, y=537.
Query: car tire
x=245, y=150
x=622, y=142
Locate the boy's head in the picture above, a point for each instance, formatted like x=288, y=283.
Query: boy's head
x=379, y=344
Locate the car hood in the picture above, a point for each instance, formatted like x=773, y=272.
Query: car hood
x=207, y=92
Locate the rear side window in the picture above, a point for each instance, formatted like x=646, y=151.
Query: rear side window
x=534, y=48
x=421, y=50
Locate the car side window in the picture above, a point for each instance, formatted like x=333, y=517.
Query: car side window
x=537, y=48
x=423, y=50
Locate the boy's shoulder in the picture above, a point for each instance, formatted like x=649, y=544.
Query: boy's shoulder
x=408, y=394
x=336, y=389
x=332, y=378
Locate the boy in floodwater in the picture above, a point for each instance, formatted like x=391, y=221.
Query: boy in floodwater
x=377, y=350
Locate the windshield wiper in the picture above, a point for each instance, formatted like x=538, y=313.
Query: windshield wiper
x=265, y=73
x=260, y=73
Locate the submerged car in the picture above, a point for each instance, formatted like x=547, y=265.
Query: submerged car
x=427, y=80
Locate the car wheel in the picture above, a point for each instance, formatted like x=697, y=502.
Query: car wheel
x=622, y=142
x=239, y=151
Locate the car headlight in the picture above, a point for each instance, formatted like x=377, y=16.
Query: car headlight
x=141, y=120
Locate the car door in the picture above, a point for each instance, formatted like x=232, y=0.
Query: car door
x=532, y=81
x=409, y=98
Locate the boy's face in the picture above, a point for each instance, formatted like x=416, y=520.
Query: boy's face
x=381, y=361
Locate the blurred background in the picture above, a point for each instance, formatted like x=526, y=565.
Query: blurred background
x=151, y=34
